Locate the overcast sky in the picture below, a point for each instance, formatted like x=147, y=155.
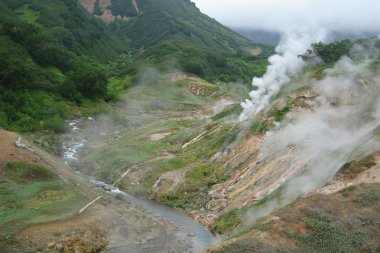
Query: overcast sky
x=279, y=15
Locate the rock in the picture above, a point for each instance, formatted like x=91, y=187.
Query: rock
x=46, y=145
x=59, y=247
x=51, y=245
x=107, y=188
x=191, y=234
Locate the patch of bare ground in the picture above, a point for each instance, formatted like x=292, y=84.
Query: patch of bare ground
x=363, y=171
x=345, y=221
x=81, y=233
x=9, y=152
x=110, y=224
x=235, y=191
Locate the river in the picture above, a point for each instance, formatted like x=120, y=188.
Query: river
x=201, y=237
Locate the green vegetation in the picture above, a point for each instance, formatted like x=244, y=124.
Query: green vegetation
x=235, y=218
x=227, y=222
x=279, y=114
x=173, y=33
x=343, y=222
x=230, y=111
x=351, y=169
x=31, y=194
x=123, y=8
x=51, y=57
x=55, y=55
x=222, y=65
x=189, y=143
x=331, y=52
x=248, y=246
x=258, y=127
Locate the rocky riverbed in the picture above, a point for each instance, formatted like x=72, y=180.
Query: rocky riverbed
x=153, y=227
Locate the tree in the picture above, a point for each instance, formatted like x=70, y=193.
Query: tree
x=90, y=81
x=331, y=52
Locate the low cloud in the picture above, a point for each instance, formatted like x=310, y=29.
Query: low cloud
x=279, y=15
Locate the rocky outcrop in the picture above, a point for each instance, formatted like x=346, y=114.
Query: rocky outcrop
x=89, y=5
x=102, y=9
x=168, y=182
x=201, y=90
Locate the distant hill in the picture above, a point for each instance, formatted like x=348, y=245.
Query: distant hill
x=273, y=38
x=153, y=21
x=175, y=34
x=260, y=36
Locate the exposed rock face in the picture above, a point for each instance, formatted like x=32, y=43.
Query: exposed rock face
x=168, y=182
x=201, y=90
x=107, y=16
x=102, y=9
x=89, y=5
x=104, y=4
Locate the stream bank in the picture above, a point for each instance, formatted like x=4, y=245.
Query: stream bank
x=184, y=233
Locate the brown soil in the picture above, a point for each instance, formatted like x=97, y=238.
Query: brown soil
x=109, y=224
x=9, y=152
x=89, y=5
x=368, y=176
x=281, y=231
x=80, y=233
x=255, y=51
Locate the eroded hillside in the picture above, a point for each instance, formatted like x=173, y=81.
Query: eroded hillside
x=111, y=10
x=183, y=145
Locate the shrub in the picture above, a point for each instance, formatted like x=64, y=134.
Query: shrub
x=259, y=127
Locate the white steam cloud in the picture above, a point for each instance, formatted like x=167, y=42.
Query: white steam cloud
x=283, y=65
x=278, y=15
x=340, y=127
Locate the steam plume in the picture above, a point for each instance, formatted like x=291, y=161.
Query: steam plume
x=339, y=128
x=283, y=65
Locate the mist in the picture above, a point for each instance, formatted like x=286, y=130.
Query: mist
x=279, y=15
x=339, y=127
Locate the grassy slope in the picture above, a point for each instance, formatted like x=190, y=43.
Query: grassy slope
x=65, y=46
x=174, y=33
x=181, y=21
x=172, y=109
x=31, y=192
x=343, y=222
x=53, y=43
x=69, y=24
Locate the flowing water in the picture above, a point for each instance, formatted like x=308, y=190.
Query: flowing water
x=201, y=237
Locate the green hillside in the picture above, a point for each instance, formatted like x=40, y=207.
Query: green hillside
x=57, y=60
x=181, y=21
x=51, y=55
x=175, y=32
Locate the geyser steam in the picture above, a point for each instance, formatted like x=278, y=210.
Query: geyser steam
x=283, y=65
x=340, y=126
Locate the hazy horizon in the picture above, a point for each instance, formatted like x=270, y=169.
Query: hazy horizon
x=281, y=15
